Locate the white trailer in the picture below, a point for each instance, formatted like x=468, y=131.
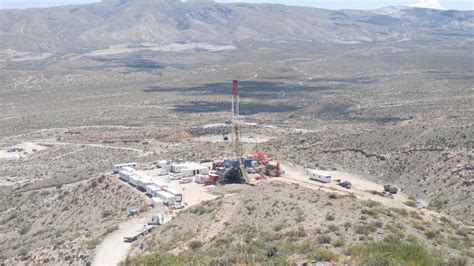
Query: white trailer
x=313, y=175
x=167, y=198
x=176, y=194
x=192, y=171
x=160, y=184
x=156, y=202
x=143, y=182
x=152, y=190
x=117, y=167
x=133, y=180
x=124, y=175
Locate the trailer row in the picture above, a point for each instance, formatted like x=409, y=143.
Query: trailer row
x=154, y=188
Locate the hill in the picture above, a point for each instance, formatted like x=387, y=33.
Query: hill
x=97, y=26
x=281, y=224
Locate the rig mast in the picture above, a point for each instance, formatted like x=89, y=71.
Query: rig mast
x=236, y=119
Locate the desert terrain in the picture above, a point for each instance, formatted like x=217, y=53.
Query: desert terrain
x=376, y=97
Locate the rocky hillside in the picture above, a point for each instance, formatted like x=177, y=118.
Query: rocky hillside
x=138, y=22
x=431, y=163
x=62, y=225
x=279, y=224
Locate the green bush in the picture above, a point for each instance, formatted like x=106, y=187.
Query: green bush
x=324, y=255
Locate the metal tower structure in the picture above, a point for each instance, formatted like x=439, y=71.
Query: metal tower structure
x=236, y=119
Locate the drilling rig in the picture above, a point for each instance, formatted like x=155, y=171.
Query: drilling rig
x=237, y=121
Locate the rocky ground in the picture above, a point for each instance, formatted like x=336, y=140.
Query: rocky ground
x=280, y=223
x=63, y=224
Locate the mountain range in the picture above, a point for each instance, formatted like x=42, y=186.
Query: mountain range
x=83, y=28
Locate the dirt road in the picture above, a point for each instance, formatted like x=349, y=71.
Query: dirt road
x=360, y=185
x=113, y=249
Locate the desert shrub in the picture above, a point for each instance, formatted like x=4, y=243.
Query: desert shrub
x=91, y=244
x=106, y=213
x=431, y=234
x=333, y=196
x=110, y=229
x=330, y=217
x=339, y=243
x=415, y=214
x=410, y=203
x=195, y=244
x=278, y=227
x=391, y=253
x=25, y=229
x=324, y=255
x=324, y=239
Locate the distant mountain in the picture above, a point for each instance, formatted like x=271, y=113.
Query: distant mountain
x=87, y=27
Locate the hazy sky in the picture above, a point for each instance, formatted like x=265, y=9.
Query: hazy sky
x=329, y=4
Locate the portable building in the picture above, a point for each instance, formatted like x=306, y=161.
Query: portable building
x=124, y=175
x=133, y=180
x=160, y=184
x=152, y=190
x=143, y=182
x=117, y=167
x=167, y=198
x=313, y=175
x=156, y=202
x=176, y=194
x=193, y=170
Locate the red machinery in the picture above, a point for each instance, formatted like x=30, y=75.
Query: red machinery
x=260, y=156
x=212, y=180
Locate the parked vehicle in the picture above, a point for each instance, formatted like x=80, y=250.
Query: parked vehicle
x=186, y=180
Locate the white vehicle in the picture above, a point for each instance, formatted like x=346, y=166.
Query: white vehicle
x=167, y=198
x=313, y=175
x=157, y=219
x=174, y=176
x=178, y=195
x=186, y=180
x=117, y=167
x=149, y=167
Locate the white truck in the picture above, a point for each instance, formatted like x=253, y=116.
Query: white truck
x=167, y=198
x=157, y=219
x=313, y=175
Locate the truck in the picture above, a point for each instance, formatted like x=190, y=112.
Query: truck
x=313, y=175
x=117, y=167
x=178, y=195
x=157, y=219
x=167, y=198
